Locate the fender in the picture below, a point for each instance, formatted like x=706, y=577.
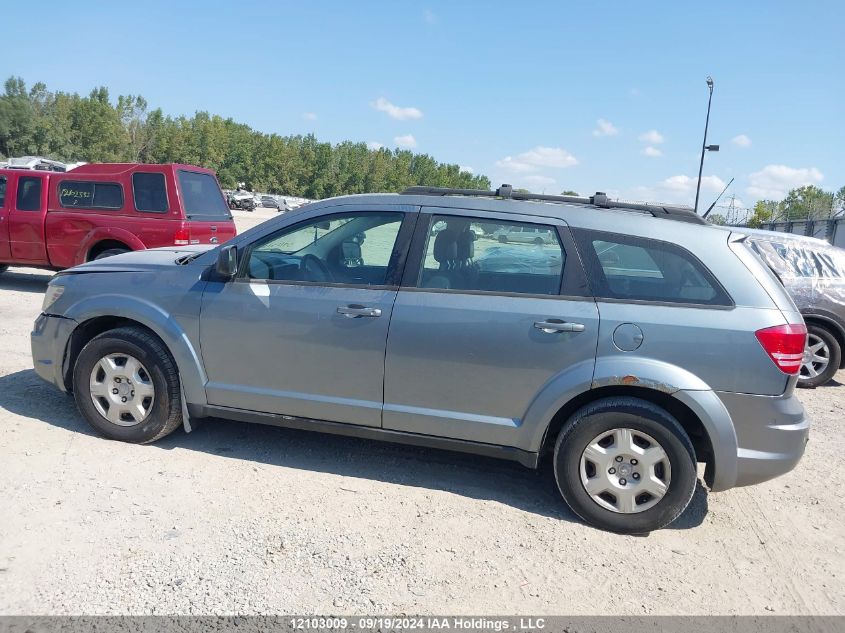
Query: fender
x=156, y=319
x=101, y=233
x=645, y=373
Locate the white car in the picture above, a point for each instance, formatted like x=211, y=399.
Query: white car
x=525, y=235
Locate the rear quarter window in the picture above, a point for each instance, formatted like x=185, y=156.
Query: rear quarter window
x=90, y=195
x=629, y=268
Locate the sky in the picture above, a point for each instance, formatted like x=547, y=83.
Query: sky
x=549, y=96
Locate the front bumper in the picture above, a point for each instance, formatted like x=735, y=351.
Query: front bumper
x=771, y=433
x=48, y=340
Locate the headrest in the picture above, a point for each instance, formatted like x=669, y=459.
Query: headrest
x=466, y=245
x=445, y=246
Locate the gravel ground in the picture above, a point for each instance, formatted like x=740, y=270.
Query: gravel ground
x=236, y=518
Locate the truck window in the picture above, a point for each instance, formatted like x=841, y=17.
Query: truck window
x=90, y=195
x=149, y=192
x=29, y=193
x=202, y=196
x=2, y=191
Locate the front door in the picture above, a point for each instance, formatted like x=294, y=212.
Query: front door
x=5, y=191
x=27, y=219
x=302, y=330
x=481, y=325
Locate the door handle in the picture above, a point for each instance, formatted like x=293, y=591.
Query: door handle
x=551, y=326
x=354, y=311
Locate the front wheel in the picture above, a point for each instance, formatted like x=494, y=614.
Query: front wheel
x=126, y=385
x=822, y=357
x=625, y=465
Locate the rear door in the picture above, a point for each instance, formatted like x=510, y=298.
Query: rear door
x=479, y=326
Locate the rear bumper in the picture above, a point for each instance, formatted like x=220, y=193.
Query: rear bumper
x=771, y=433
x=49, y=341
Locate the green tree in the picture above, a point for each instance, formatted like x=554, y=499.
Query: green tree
x=764, y=211
x=69, y=127
x=717, y=218
x=569, y=192
x=808, y=202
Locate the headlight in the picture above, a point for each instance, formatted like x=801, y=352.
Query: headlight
x=51, y=296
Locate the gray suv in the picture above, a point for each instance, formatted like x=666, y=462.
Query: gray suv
x=636, y=344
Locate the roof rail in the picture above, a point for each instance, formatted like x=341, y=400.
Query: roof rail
x=600, y=200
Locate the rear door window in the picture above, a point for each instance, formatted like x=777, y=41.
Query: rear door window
x=201, y=196
x=29, y=193
x=640, y=269
x=149, y=192
x=2, y=191
x=90, y=195
x=472, y=254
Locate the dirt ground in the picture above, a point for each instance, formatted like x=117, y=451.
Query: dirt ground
x=236, y=518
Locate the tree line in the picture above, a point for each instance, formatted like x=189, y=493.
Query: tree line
x=68, y=127
x=803, y=203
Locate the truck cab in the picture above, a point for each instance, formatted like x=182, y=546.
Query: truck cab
x=58, y=220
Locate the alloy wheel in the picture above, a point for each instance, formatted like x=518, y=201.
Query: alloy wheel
x=816, y=357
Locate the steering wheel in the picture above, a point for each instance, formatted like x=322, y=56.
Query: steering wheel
x=314, y=269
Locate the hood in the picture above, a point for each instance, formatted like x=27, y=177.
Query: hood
x=150, y=260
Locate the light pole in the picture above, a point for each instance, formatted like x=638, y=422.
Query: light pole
x=704, y=146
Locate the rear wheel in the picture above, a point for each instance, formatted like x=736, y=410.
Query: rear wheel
x=111, y=251
x=822, y=357
x=538, y=241
x=625, y=465
x=126, y=385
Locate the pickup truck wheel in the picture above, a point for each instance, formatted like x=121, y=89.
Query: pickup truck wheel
x=126, y=385
x=111, y=251
x=822, y=357
x=625, y=465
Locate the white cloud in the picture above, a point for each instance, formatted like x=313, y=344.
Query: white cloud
x=605, y=128
x=741, y=140
x=466, y=168
x=676, y=190
x=686, y=184
x=651, y=152
x=537, y=157
x=309, y=116
x=429, y=16
x=396, y=112
x=407, y=141
x=374, y=145
x=773, y=182
x=652, y=137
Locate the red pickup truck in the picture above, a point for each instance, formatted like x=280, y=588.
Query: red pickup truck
x=58, y=220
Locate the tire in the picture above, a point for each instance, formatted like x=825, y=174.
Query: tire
x=816, y=373
x=109, y=252
x=538, y=241
x=644, y=420
x=503, y=239
x=159, y=373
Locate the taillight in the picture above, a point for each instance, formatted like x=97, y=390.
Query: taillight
x=785, y=345
x=182, y=237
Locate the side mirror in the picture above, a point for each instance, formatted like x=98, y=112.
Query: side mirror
x=227, y=262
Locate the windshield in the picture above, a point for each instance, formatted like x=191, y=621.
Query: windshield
x=202, y=196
